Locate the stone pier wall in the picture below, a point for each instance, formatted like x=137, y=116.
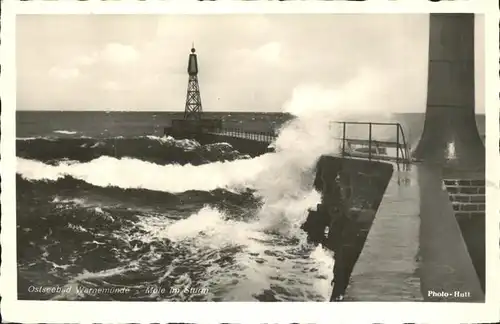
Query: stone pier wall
x=366, y=181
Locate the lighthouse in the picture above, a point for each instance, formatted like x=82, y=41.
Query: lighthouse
x=193, y=109
x=193, y=125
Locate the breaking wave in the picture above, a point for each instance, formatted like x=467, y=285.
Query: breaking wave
x=160, y=150
x=65, y=132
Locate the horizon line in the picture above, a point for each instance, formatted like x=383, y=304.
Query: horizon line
x=182, y=111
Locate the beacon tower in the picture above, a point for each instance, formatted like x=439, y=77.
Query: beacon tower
x=193, y=109
x=193, y=125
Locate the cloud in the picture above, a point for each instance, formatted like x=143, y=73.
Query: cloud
x=270, y=52
x=119, y=54
x=85, y=60
x=110, y=86
x=64, y=73
x=111, y=53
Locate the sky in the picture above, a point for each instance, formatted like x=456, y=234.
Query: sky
x=246, y=62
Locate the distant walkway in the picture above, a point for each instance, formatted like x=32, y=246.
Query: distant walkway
x=259, y=137
x=386, y=268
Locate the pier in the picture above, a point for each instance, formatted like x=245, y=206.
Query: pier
x=414, y=226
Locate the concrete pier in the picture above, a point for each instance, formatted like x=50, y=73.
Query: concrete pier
x=387, y=267
x=416, y=250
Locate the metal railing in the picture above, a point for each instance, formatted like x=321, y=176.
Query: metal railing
x=372, y=148
x=368, y=146
x=266, y=137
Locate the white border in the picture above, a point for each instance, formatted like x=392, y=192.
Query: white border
x=127, y=312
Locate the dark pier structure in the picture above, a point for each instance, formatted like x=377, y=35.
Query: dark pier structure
x=402, y=226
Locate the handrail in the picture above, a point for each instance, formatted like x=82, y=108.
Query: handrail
x=402, y=151
x=252, y=135
x=367, y=123
x=400, y=142
x=406, y=145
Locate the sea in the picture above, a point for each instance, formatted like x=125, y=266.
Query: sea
x=108, y=208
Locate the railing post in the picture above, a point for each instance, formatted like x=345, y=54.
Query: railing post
x=397, y=147
x=370, y=141
x=343, y=139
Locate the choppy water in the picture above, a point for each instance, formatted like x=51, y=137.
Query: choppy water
x=135, y=215
x=108, y=209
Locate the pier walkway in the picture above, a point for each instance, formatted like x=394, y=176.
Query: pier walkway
x=415, y=249
x=386, y=268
